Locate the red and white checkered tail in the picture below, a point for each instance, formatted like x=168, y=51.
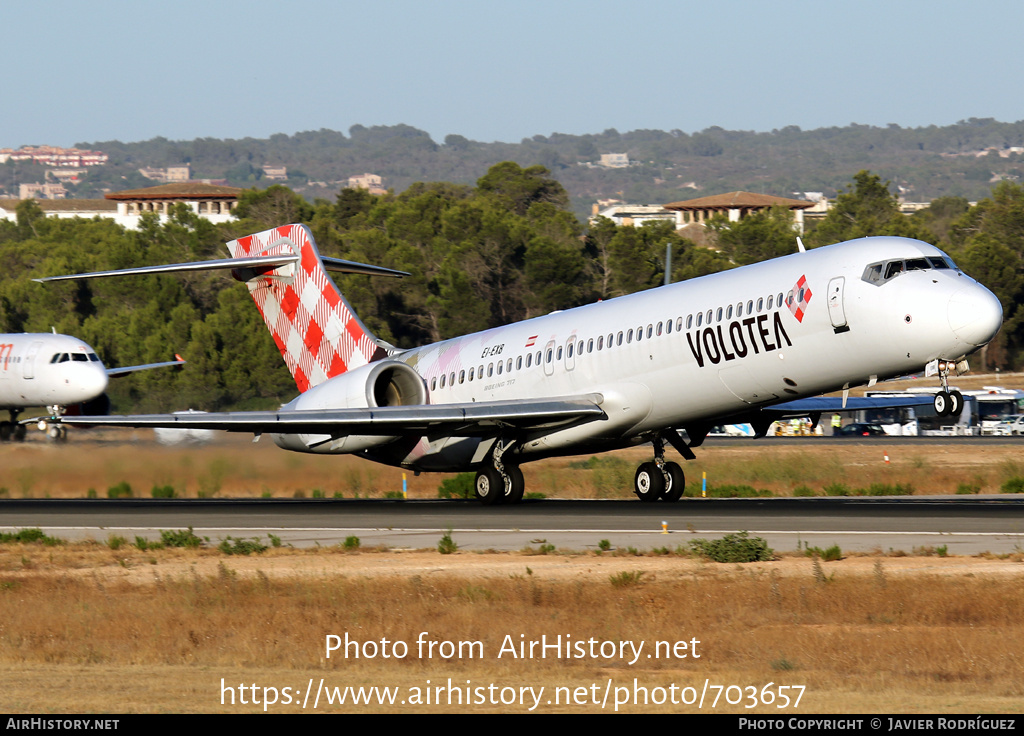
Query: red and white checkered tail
x=315, y=329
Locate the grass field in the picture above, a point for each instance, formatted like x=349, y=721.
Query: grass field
x=88, y=628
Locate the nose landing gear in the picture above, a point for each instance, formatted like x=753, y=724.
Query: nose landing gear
x=947, y=403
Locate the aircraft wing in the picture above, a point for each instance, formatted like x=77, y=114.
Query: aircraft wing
x=824, y=404
x=465, y=420
x=118, y=372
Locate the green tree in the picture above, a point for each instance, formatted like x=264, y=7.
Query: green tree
x=866, y=208
x=758, y=236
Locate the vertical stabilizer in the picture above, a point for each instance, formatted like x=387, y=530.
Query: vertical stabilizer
x=315, y=329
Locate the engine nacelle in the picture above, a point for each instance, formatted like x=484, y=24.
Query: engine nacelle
x=384, y=383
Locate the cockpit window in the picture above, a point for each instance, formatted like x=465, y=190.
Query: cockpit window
x=80, y=357
x=64, y=358
x=879, y=273
x=94, y=358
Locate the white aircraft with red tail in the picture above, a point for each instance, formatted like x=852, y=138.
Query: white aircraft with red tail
x=58, y=372
x=739, y=346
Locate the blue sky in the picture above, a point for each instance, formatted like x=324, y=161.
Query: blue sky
x=104, y=70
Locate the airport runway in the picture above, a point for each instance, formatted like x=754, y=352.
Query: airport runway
x=963, y=525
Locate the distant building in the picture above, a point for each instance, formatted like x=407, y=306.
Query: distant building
x=275, y=172
x=736, y=206
x=54, y=156
x=176, y=173
x=179, y=173
x=636, y=214
x=42, y=191
x=615, y=160
x=370, y=182
x=214, y=203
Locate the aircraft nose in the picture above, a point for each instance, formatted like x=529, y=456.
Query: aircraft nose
x=975, y=314
x=97, y=379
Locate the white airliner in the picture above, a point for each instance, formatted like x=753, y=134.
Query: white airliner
x=54, y=371
x=723, y=348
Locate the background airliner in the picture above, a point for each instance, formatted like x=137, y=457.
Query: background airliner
x=57, y=372
x=723, y=348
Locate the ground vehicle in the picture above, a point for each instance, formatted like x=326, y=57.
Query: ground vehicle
x=860, y=429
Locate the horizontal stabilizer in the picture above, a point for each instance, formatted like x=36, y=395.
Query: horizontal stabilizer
x=269, y=262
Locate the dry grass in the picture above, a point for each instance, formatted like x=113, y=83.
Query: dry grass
x=870, y=634
x=233, y=467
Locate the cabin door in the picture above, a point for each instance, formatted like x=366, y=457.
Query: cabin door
x=836, y=312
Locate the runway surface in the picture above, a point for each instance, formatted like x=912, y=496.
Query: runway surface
x=964, y=525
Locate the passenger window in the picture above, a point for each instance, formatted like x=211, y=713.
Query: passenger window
x=519, y=363
x=771, y=300
x=548, y=360
x=600, y=343
x=433, y=383
x=490, y=369
x=739, y=310
x=700, y=318
x=750, y=306
x=472, y=371
x=442, y=380
x=639, y=334
x=558, y=354
x=679, y=323
x=538, y=357
x=629, y=336
x=718, y=315
x=462, y=376
x=760, y=304
x=619, y=341
x=451, y=379
x=709, y=317
x=590, y=345
x=579, y=348
x=508, y=366
x=569, y=350
x=659, y=328
x=529, y=359
x=779, y=300
x=728, y=312
x=500, y=366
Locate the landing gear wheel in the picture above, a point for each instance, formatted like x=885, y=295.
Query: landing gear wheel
x=675, y=482
x=489, y=487
x=649, y=482
x=18, y=435
x=57, y=433
x=6, y=429
x=956, y=403
x=941, y=403
x=515, y=485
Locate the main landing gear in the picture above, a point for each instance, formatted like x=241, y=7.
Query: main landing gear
x=12, y=431
x=659, y=479
x=947, y=403
x=499, y=482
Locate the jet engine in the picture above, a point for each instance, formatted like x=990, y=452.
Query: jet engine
x=383, y=383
